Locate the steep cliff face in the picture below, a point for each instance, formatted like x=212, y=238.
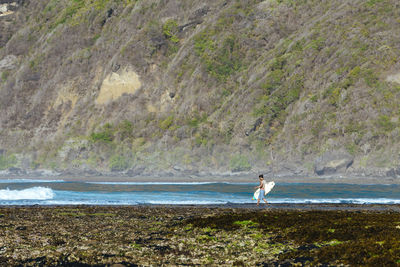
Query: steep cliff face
x=147, y=87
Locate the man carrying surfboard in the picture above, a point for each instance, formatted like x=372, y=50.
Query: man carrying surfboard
x=261, y=190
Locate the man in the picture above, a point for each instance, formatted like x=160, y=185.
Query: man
x=262, y=190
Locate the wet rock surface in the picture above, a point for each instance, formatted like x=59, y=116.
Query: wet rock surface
x=192, y=235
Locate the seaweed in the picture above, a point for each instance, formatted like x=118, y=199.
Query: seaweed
x=327, y=237
x=163, y=235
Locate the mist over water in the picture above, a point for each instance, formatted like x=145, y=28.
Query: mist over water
x=59, y=192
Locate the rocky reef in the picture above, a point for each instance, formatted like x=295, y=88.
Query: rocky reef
x=285, y=235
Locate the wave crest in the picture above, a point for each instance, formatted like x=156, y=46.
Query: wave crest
x=37, y=192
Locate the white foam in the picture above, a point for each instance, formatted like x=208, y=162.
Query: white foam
x=337, y=201
x=10, y=181
x=38, y=200
x=37, y=193
x=185, y=202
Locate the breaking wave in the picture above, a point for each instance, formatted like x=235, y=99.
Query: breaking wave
x=37, y=193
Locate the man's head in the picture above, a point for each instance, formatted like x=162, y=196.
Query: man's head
x=261, y=177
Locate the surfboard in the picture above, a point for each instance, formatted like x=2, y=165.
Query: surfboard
x=267, y=187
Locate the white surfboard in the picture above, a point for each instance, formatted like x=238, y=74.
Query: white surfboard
x=267, y=188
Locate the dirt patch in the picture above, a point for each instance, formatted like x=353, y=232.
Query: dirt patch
x=117, y=84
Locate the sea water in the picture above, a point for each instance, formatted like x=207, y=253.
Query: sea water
x=59, y=192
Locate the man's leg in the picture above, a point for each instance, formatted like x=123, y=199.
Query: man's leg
x=258, y=201
x=265, y=201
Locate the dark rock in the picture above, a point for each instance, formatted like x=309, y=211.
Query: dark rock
x=190, y=24
x=257, y=123
x=159, y=42
x=92, y=173
x=22, y=228
x=307, y=247
x=397, y=170
x=201, y=12
x=127, y=264
x=135, y=171
x=16, y=171
x=391, y=173
x=161, y=249
x=110, y=12
x=332, y=162
x=177, y=168
x=116, y=67
x=303, y=260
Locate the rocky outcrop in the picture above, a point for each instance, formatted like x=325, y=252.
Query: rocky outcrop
x=7, y=19
x=8, y=7
x=333, y=162
x=393, y=172
x=8, y=63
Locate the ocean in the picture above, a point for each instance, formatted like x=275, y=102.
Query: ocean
x=59, y=192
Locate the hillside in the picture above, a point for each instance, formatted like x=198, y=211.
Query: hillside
x=190, y=87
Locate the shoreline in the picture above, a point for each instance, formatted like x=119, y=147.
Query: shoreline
x=218, y=179
x=241, y=207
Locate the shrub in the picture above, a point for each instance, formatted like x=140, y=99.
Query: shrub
x=7, y=161
x=373, y=2
x=118, y=163
x=4, y=75
x=314, y=98
x=385, y=124
x=239, y=163
x=125, y=129
x=203, y=43
x=273, y=80
x=277, y=63
x=201, y=138
x=371, y=78
x=170, y=28
x=106, y=135
x=220, y=61
x=165, y=124
x=69, y=12
x=197, y=120
x=101, y=136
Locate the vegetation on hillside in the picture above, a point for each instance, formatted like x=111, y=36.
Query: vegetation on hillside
x=240, y=85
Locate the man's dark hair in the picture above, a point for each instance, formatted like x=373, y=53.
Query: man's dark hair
x=261, y=176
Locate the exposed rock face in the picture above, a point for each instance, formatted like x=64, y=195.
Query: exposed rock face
x=8, y=63
x=7, y=19
x=333, y=162
x=8, y=7
x=116, y=84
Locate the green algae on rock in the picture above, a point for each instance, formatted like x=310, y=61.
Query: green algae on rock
x=190, y=235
